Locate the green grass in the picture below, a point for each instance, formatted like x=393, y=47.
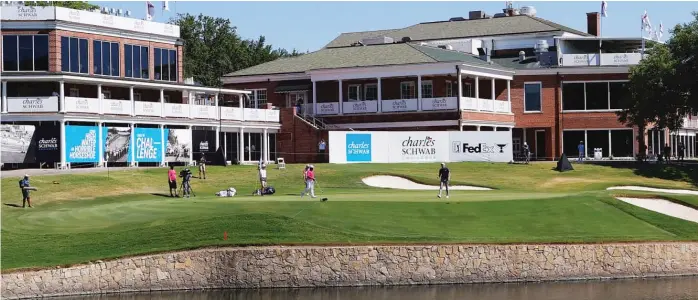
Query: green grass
x=91, y=216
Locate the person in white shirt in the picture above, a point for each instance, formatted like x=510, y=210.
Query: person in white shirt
x=263, y=176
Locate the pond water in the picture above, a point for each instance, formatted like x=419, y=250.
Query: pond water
x=680, y=288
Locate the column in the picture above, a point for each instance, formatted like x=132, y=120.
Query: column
x=524, y=135
x=133, y=101
x=341, y=109
x=133, y=144
x=191, y=153
x=477, y=92
x=509, y=94
x=419, y=92
x=478, y=127
x=62, y=145
x=314, y=99
x=380, y=95
x=61, y=98
x=162, y=103
x=460, y=125
x=100, y=147
x=191, y=104
x=586, y=145
x=4, y=96
x=225, y=147
x=163, y=145
x=654, y=145
x=243, y=98
x=494, y=97
x=241, y=144
x=610, y=153
x=218, y=138
x=460, y=93
x=99, y=99
x=265, y=155
x=218, y=110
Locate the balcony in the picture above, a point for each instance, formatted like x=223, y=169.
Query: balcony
x=487, y=105
x=604, y=59
x=409, y=105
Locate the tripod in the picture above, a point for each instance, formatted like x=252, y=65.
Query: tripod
x=189, y=188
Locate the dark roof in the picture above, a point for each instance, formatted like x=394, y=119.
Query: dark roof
x=521, y=24
x=362, y=56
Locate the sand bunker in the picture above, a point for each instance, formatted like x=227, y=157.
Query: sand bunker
x=664, y=207
x=647, y=189
x=394, y=182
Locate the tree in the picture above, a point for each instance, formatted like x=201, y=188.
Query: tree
x=684, y=48
x=213, y=48
x=80, y=5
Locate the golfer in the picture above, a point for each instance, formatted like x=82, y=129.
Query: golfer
x=24, y=185
x=172, y=180
x=445, y=177
x=309, y=183
x=305, y=175
x=263, y=176
x=202, y=166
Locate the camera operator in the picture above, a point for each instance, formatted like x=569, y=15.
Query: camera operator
x=186, y=182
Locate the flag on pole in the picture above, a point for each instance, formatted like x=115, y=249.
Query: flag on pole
x=149, y=11
x=661, y=31
x=646, y=25
x=604, y=9
x=165, y=5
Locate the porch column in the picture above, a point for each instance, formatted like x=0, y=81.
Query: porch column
x=509, y=94
x=191, y=153
x=341, y=109
x=241, y=145
x=586, y=145
x=133, y=144
x=460, y=125
x=215, y=99
x=478, y=127
x=494, y=97
x=191, y=104
x=419, y=92
x=162, y=103
x=243, y=98
x=524, y=134
x=4, y=96
x=163, y=145
x=225, y=147
x=61, y=97
x=265, y=154
x=133, y=101
x=460, y=93
x=477, y=92
x=380, y=95
x=62, y=145
x=314, y=99
x=654, y=145
x=609, y=144
x=100, y=145
x=218, y=138
x=99, y=99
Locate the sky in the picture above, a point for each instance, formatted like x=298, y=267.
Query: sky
x=309, y=26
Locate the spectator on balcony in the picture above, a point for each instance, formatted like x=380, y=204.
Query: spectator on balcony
x=54, y=94
x=299, y=107
x=580, y=148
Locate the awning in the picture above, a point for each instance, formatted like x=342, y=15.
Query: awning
x=292, y=86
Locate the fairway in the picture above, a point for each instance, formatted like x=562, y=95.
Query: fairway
x=87, y=217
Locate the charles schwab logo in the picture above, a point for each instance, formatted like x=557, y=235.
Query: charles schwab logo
x=27, y=12
x=465, y=148
x=48, y=144
x=358, y=147
x=419, y=149
x=29, y=104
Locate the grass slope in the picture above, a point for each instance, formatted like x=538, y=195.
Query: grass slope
x=92, y=216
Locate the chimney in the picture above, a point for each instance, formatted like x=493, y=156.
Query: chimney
x=594, y=23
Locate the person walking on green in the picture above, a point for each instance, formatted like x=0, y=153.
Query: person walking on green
x=444, y=179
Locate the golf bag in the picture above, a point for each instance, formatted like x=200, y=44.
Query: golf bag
x=266, y=191
x=227, y=193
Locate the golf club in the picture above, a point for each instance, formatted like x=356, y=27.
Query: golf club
x=321, y=191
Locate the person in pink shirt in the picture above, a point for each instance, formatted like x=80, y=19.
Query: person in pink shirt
x=172, y=179
x=309, y=182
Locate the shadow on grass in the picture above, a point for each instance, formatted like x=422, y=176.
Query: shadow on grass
x=162, y=195
x=12, y=205
x=677, y=171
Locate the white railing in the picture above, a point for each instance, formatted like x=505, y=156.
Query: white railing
x=177, y=110
x=254, y=114
x=204, y=112
x=82, y=105
x=327, y=108
x=448, y=103
x=487, y=105
x=153, y=109
x=116, y=107
x=692, y=123
x=468, y=103
x=32, y=104
x=231, y=113
x=273, y=115
x=360, y=107
x=604, y=59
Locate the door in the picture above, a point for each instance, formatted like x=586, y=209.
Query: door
x=540, y=144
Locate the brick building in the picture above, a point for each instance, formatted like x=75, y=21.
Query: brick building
x=550, y=85
x=94, y=88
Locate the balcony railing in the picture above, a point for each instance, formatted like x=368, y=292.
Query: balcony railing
x=692, y=123
x=150, y=109
x=375, y=106
x=487, y=105
x=604, y=59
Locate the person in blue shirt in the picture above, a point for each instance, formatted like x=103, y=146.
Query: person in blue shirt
x=24, y=184
x=580, y=148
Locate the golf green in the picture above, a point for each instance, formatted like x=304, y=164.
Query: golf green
x=86, y=217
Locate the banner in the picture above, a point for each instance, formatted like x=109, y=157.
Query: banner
x=81, y=144
x=419, y=146
x=178, y=145
x=32, y=104
x=117, y=144
x=204, y=142
x=30, y=143
x=148, y=144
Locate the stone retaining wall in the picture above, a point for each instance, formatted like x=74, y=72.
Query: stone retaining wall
x=355, y=266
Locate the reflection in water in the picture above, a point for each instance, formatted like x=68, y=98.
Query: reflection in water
x=685, y=288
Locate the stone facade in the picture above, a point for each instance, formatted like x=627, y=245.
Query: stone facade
x=356, y=266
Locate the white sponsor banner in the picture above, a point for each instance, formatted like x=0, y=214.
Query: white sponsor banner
x=327, y=108
x=148, y=108
x=231, y=113
x=620, y=59
x=359, y=107
x=85, y=105
x=419, y=146
x=28, y=13
x=490, y=146
x=254, y=114
x=272, y=115
x=580, y=60
x=32, y=104
x=177, y=110
x=399, y=105
x=440, y=103
x=116, y=22
x=204, y=111
x=116, y=107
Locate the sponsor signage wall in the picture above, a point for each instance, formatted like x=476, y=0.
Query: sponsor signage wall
x=30, y=143
x=399, y=105
x=419, y=146
x=32, y=104
x=178, y=145
x=331, y=108
x=204, y=141
x=148, y=144
x=86, y=105
x=117, y=144
x=81, y=144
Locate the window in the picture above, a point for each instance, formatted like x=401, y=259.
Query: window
x=407, y=90
x=468, y=90
x=622, y=143
x=258, y=97
x=25, y=52
x=596, y=95
x=573, y=96
x=136, y=96
x=136, y=61
x=74, y=55
x=532, y=97
x=165, y=64
x=427, y=89
x=449, y=89
x=619, y=93
x=106, y=58
x=371, y=91
x=74, y=92
x=354, y=92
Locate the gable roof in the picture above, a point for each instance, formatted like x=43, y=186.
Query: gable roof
x=521, y=24
x=363, y=56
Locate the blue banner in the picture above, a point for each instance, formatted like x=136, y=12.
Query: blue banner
x=358, y=147
x=148, y=145
x=81, y=144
